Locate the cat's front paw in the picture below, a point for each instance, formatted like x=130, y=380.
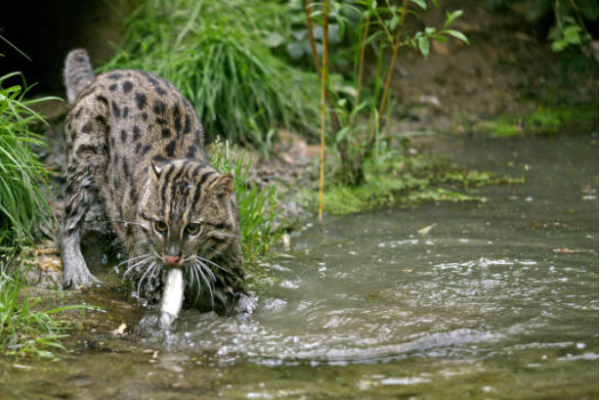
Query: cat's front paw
x=77, y=276
x=244, y=306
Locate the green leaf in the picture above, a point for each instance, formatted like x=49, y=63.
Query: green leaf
x=571, y=34
x=451, y=17
x=429, y=30
x=420, y=3
x=342, y=133
x=559, y=45
x=457, y=34
x=424, y=46
x=394, y=22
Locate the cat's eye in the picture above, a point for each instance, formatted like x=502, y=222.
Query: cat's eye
x=160, y=226
x=192, y=229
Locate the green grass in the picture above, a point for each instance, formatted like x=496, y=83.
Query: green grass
x=25, y=327
x=404, y=180
x=23, y=207
x=544, y=120
x=257, y=205
x=218, y=53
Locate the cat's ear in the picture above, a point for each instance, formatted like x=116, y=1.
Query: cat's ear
x=155, y=170
x=222, y=187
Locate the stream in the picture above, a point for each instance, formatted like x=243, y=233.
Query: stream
x=493, y=300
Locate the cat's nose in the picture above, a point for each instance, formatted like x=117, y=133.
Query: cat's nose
x=173, y=260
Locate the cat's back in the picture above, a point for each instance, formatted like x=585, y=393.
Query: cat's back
x=149, y=117
x=145, y=116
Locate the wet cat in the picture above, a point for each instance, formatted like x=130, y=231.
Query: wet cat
x=134, y=143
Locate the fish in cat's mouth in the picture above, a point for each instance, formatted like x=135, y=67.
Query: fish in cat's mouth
x=194, y=271
x=173, y=292
x=172, y=298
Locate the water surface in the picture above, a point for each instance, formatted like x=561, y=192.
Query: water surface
x=494, y=300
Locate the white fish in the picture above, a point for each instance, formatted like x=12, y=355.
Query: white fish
x=172, y=298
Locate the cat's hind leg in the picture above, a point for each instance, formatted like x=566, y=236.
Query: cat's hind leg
x=87, y=160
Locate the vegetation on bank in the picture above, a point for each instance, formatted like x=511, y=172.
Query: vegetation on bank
x=26, y=327
x=23, y=205
x=405, y=180
x=354, y=126
x=257, y=205
x=219, y=54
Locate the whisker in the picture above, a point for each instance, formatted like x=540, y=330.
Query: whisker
x=212, y=298
x=214, y=263
x=125, y=222
x=134, y=266
x=196, y=282
x=208, y=271
x=222, y=234
x=150, y=268
x=131, y=259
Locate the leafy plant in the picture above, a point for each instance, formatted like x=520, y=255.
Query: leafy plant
x=23, y=205
x=218, y=53
x=568, y=33
x=257, y=206
x=357, y=124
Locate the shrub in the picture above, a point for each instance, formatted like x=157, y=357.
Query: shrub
x=357, y=124
x=217, y=52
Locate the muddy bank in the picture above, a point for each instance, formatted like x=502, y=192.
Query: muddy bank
x=508, y=69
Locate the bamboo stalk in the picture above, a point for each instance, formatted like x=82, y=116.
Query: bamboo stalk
x=323, y=105
x=311, y=36
x=333, y=118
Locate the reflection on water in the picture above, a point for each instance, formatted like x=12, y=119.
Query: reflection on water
x=493, y=301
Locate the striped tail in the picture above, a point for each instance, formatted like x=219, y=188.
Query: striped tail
x=78, y=73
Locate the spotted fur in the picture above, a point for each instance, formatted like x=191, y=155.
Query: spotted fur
x=134, y=143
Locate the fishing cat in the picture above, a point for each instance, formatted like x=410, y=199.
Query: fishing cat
x=134, y=143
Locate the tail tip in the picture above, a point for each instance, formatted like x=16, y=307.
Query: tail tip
x=78, y=73
x=77, y=56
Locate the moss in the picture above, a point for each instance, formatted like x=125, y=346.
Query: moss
x=477, y=178
x=501, y=127
x=408, y=181
x=544, y=120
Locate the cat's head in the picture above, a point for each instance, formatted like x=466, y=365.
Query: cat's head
x=187, y=211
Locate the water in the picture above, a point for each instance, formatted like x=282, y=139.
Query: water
x=498, y=300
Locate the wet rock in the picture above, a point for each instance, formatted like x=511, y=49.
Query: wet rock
x=42, y=266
